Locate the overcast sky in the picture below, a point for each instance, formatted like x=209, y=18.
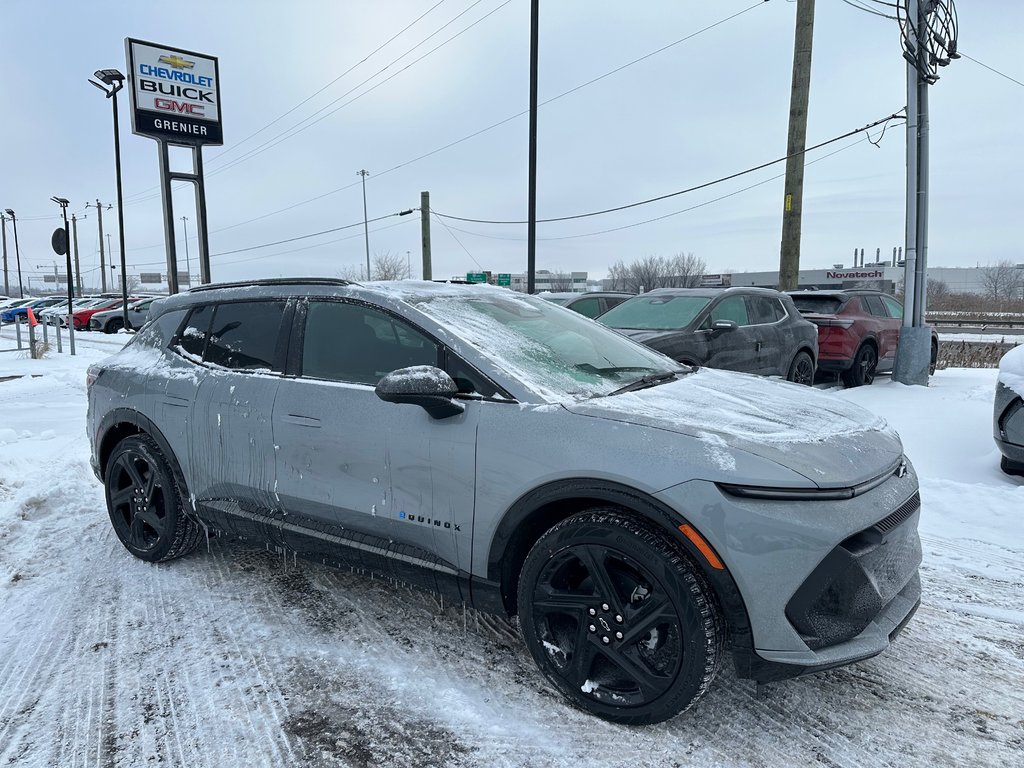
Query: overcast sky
x=705, y=108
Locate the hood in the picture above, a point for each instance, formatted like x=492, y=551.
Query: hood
x=828, y=440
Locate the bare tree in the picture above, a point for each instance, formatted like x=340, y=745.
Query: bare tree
x=1002, y=281
x=685, y=271
x=389, y=266
x=134, y=283
x=353, y=272
x=559, y=280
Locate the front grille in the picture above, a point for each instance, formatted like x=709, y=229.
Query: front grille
x=905, y=510
x=857, y=580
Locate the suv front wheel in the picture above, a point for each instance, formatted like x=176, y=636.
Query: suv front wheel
x=145, y=503
x=619, y=619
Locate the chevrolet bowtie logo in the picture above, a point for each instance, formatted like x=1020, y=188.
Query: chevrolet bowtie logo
x=177, y=62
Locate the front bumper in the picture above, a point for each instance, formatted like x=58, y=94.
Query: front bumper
x=779, y=553
x=1008, y=424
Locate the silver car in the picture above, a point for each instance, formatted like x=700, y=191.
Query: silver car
x=112, y=320
x=641, y=518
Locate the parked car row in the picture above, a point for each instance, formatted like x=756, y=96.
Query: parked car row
x=100, y=313
x=851, y=333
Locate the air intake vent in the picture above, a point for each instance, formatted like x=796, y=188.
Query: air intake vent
x=905, y=510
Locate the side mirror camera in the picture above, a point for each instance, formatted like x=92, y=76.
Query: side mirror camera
x=424, y=385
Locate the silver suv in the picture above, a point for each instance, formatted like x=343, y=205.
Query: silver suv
x=640, y=517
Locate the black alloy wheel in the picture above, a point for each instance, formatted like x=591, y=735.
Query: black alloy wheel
x=863, y=369
x=113, y=325
x=801, y=371
x=619, y=619
x=144, y=502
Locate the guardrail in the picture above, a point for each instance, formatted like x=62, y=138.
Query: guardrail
x=974, y=320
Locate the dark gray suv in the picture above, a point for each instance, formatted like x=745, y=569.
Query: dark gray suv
x=639, y=517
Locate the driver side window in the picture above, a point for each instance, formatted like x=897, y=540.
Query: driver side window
x=360, y=344
x=731, y=308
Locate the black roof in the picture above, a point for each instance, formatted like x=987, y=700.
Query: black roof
x=275, y=281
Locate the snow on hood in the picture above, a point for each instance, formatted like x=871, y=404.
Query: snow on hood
x=1011, y=369
x=827, y=439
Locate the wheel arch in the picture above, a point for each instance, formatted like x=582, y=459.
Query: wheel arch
x=125, y=422
x=541, y=508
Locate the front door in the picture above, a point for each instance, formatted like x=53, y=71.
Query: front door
x=365, y=482
x=735, y=349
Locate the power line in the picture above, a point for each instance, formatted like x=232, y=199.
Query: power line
x=673, y=213
x=992, y=69
x=863, y=129
x=463, y=247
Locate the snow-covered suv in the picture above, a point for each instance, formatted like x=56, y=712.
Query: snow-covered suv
x=640, y=517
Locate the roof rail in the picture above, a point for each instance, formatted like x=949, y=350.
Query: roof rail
x=337, y=281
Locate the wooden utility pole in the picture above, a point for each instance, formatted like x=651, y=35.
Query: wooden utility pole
x=78, y=269
x=103, y=260
x=792, y=209
x=428, y=273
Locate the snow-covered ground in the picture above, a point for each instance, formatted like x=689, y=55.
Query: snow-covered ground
x=235, y=657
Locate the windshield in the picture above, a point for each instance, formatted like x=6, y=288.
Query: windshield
x=555, y=352
x=824, y=305
x=659, y=312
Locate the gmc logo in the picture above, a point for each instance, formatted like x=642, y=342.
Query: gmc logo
x=170, y=105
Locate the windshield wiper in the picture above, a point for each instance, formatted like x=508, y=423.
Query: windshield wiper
x=651, y=380
x=611, y=370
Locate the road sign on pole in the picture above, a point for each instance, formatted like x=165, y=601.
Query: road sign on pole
x=476, y=277
x=504, y=278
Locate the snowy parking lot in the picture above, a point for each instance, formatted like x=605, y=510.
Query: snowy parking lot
x=239, y=657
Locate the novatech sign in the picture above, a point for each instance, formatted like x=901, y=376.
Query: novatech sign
x=853, y=275
x=175, y=94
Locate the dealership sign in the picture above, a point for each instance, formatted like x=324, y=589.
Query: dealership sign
x=854, y=275
x=175, y=94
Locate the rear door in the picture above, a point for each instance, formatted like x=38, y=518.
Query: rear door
x=887, y=329
x=232, y=442
x=770, y=345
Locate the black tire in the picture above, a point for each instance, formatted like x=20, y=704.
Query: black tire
x=144, y=502
x=801, y=370
x=619, y=619
x=863, y=369
x=1011, y=467
x=113, y=325
x=935, y=358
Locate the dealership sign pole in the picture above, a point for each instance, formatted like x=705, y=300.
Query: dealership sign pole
x=175, y=98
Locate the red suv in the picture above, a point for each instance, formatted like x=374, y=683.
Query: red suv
x=858, y=331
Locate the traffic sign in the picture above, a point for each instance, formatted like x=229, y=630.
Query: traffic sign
x=476, y=277
x=504, y=278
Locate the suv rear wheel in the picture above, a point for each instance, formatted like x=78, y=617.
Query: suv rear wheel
x=145, y=503
x=863, y=369
x=801, y=370
x=619, y=619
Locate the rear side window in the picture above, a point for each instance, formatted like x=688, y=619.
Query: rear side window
x=360, y=344
x=244, y=335
x=895, y=308
x=763, y=309
x=159, y=332
x=193, y=336
x=874, y=305
x=587, y=307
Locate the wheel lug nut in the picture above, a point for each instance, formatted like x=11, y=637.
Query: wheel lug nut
x=604, y=606
x=593, y=612
x=618, y=619
x=593, y=628
x=605, y=640
x=618, y=635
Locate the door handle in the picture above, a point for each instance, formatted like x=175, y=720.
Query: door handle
x=300, y=420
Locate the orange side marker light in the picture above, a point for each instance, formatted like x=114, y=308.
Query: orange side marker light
x=703, y=546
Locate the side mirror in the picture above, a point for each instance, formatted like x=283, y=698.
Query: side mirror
x=424, y=385
x=724, y=325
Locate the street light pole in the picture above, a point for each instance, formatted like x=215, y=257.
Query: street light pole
x=63, y=203
x=3, y=231
x=17, y=252
x=188, y=263
x=366, y=231
x=114, y=80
